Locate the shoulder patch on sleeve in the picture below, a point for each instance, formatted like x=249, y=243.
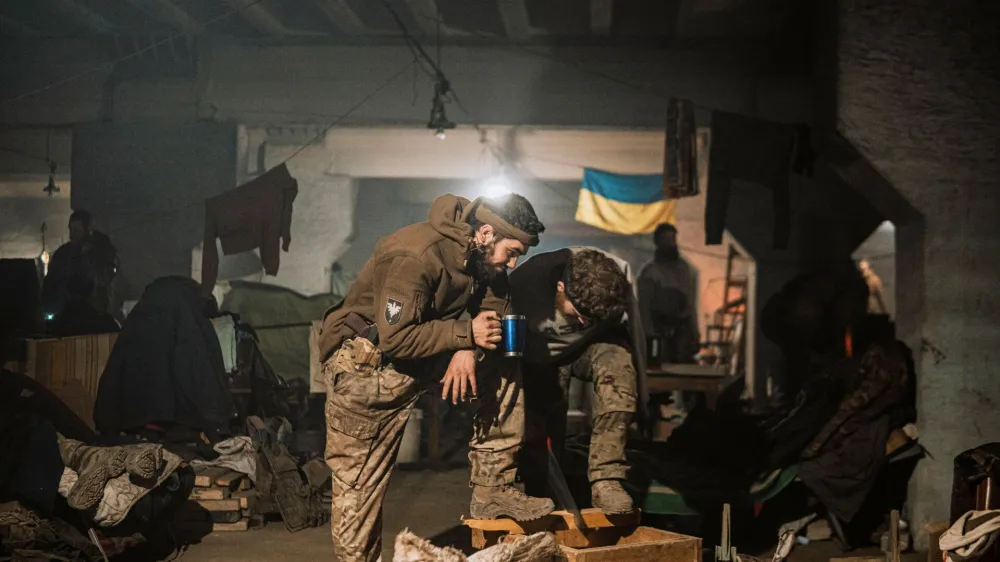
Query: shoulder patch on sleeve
x=393, y=310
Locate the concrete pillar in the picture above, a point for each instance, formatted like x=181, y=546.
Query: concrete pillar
x=322, y=218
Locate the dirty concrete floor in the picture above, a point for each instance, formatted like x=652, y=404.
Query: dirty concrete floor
x=430, y=504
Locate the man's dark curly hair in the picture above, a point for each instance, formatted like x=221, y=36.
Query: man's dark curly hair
x=517, y=211
x=596, y=286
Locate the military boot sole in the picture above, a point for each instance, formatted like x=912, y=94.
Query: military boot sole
x=495, y=510
x=609, y=511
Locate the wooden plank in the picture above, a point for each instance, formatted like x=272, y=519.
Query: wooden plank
x=894, y=536
x=644, y=544
x=247, y=499
x=209, y=494
x=31, y=360
x=692, y=370
x=231, y=479
x=657, y=383
x=205, y=477
x=241, y=525
x=556, y=521
x=220, y=505
x=934, y=531
x=57, y=365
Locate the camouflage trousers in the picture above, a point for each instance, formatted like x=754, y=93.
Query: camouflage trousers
x=367, y=407
x=608, y=366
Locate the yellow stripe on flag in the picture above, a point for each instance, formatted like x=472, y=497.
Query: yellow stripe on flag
x=624, y=218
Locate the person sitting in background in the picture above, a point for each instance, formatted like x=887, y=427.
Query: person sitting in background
x=809, y=320
x=667, y=298
x=88, y=253
x=79, y=317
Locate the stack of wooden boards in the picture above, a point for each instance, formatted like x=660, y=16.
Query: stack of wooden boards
x=223, y=499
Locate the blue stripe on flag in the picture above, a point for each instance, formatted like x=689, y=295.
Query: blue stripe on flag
x=625, y=188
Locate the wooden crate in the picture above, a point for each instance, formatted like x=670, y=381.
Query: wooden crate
x=599, y=527
x=71, y=368
x=645, y=543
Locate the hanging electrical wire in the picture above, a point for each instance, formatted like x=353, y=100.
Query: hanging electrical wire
x=438, y=121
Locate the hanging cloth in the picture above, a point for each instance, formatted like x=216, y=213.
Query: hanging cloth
x=680, y=165
x=757, y=151
x=255, y=215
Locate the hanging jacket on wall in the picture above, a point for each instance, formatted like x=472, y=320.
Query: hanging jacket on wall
x=257, y=214
x=757, y=151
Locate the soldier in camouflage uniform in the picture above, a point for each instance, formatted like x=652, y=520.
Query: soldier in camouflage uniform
x=575, y=301
x=398, y=329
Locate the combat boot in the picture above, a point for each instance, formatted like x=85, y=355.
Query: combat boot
x=610, y=497
x=493, y=502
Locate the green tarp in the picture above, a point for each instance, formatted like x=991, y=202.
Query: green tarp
x=662, y=500
x=281, y=317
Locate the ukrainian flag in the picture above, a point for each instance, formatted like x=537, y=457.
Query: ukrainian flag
x=625, y=204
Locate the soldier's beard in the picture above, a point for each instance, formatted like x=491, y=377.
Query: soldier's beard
x=478, y=259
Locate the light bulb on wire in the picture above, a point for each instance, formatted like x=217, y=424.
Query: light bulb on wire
x=439, y=119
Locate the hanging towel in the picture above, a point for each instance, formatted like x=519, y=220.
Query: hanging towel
x=757, y=151
x=257, y=214
x=624, y=204
x=680, y=166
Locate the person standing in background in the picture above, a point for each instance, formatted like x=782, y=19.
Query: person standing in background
x=876, y=296
x=88, y=254
x=668, y=293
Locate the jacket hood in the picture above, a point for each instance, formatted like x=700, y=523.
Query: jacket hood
x=447, y=216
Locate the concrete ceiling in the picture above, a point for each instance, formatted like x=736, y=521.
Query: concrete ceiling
x=590, y=22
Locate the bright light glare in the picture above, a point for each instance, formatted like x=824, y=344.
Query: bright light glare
x=495, y=187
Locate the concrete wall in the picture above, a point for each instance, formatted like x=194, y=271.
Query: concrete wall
x=919, y=96
x=146, y=184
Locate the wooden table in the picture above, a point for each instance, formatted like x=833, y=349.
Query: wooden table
x=672, y=377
